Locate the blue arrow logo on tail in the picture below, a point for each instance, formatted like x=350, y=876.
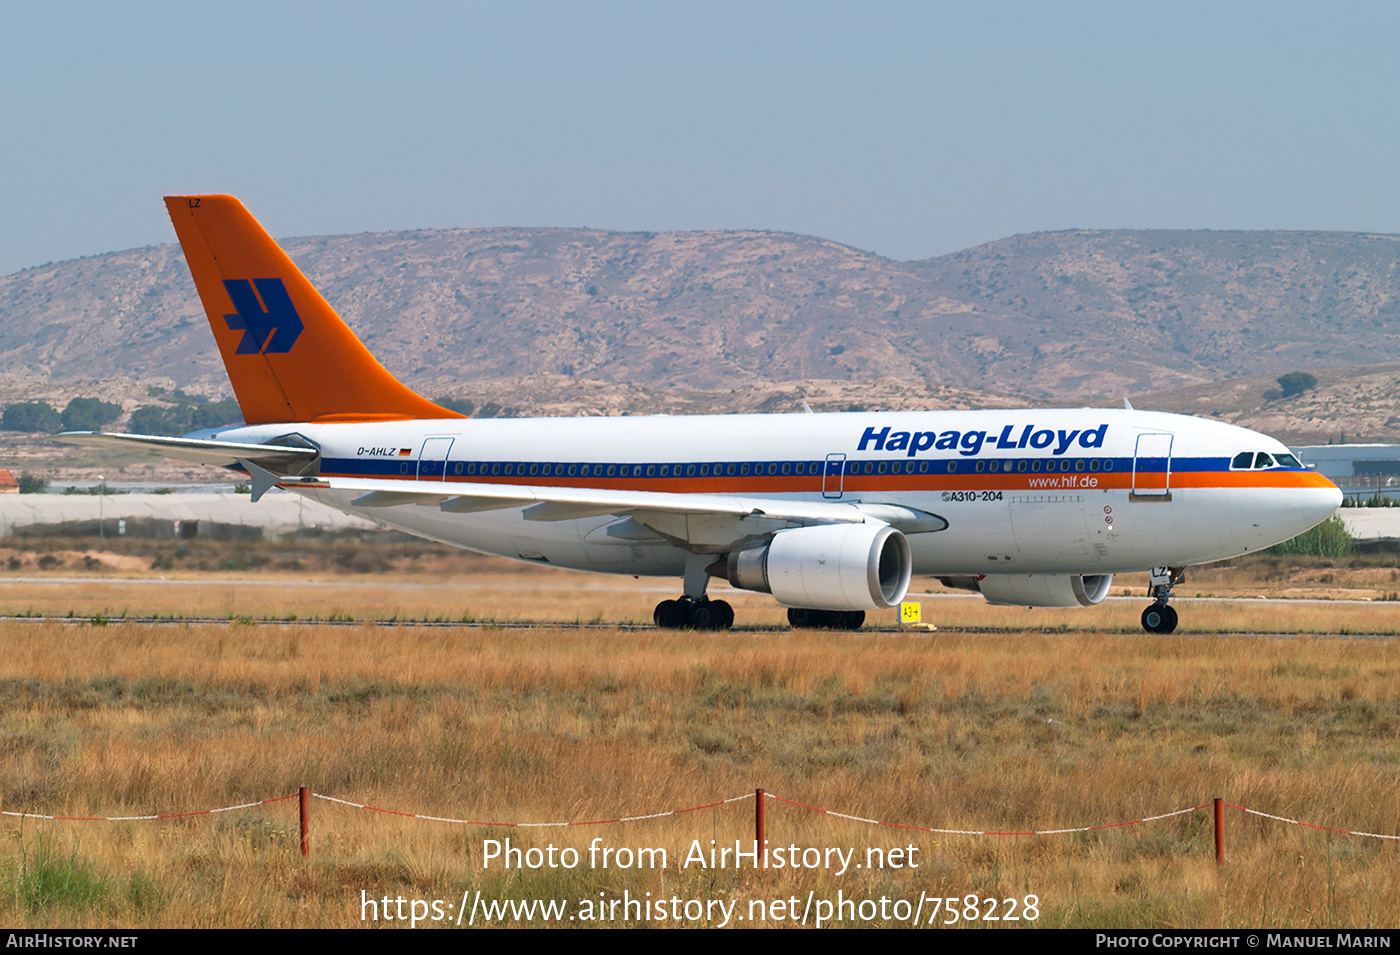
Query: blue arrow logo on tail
x=266, y=331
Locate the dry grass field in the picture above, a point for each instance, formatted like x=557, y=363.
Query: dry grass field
x=1061, y=720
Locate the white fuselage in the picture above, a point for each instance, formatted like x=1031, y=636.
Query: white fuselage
x=1032, y=491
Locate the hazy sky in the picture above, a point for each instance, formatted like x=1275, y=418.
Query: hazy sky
x=907, y=129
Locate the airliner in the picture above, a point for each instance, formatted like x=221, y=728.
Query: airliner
x=831, y=514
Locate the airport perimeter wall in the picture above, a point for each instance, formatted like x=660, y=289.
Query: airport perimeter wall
x=184, y=514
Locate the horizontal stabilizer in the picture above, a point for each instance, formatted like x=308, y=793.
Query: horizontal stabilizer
x=194, y=450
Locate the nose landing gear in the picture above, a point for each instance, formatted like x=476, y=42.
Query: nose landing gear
x=1161, y=618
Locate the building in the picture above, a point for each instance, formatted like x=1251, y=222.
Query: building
x=1362, y=471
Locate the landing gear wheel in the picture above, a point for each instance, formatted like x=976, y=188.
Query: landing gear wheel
x=672, y=614
x=1159, y=618
x=693, y=614
x=801, y=617
x=663, y=613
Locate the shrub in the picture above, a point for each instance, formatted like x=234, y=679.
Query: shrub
x=1328, y=539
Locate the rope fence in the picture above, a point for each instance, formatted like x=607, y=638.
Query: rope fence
x=759, y=796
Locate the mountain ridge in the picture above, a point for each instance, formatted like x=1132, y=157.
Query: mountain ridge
x=1077, y=315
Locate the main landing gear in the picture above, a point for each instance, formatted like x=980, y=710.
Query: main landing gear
x=1160, y=617
x=801, y=617
x=693, y=610
x=685, y=613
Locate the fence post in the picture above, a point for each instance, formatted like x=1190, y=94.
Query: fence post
x=759, y=830
x=1219, y=831
x=305, y=825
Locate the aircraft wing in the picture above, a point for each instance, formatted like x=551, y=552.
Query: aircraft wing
x=194, y=450
x=571, y=503
x=695, y=518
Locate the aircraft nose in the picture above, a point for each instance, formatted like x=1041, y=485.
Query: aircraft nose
x=1315, y=504
x=1324, y=501
x=1265, y=519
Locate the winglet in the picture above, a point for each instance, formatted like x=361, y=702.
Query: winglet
x=288, y=354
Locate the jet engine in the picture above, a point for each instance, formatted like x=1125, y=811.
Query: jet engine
x=827, y=567
x=1036, y=590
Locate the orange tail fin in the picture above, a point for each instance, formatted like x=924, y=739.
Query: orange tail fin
x=289, y=356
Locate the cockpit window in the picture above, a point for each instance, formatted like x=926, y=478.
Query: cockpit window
x=1258, y=460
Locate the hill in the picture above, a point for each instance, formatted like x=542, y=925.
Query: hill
x=1076, y=316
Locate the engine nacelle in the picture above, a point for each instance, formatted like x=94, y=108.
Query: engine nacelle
x=1037, y=590
x=828, y=567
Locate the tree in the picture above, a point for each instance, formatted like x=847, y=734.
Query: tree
x=214, y=414
x=32, y=484
x=460, y=405
x=1296, y=382
x=153, y=419
x=89, y=414
x=31, y=416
